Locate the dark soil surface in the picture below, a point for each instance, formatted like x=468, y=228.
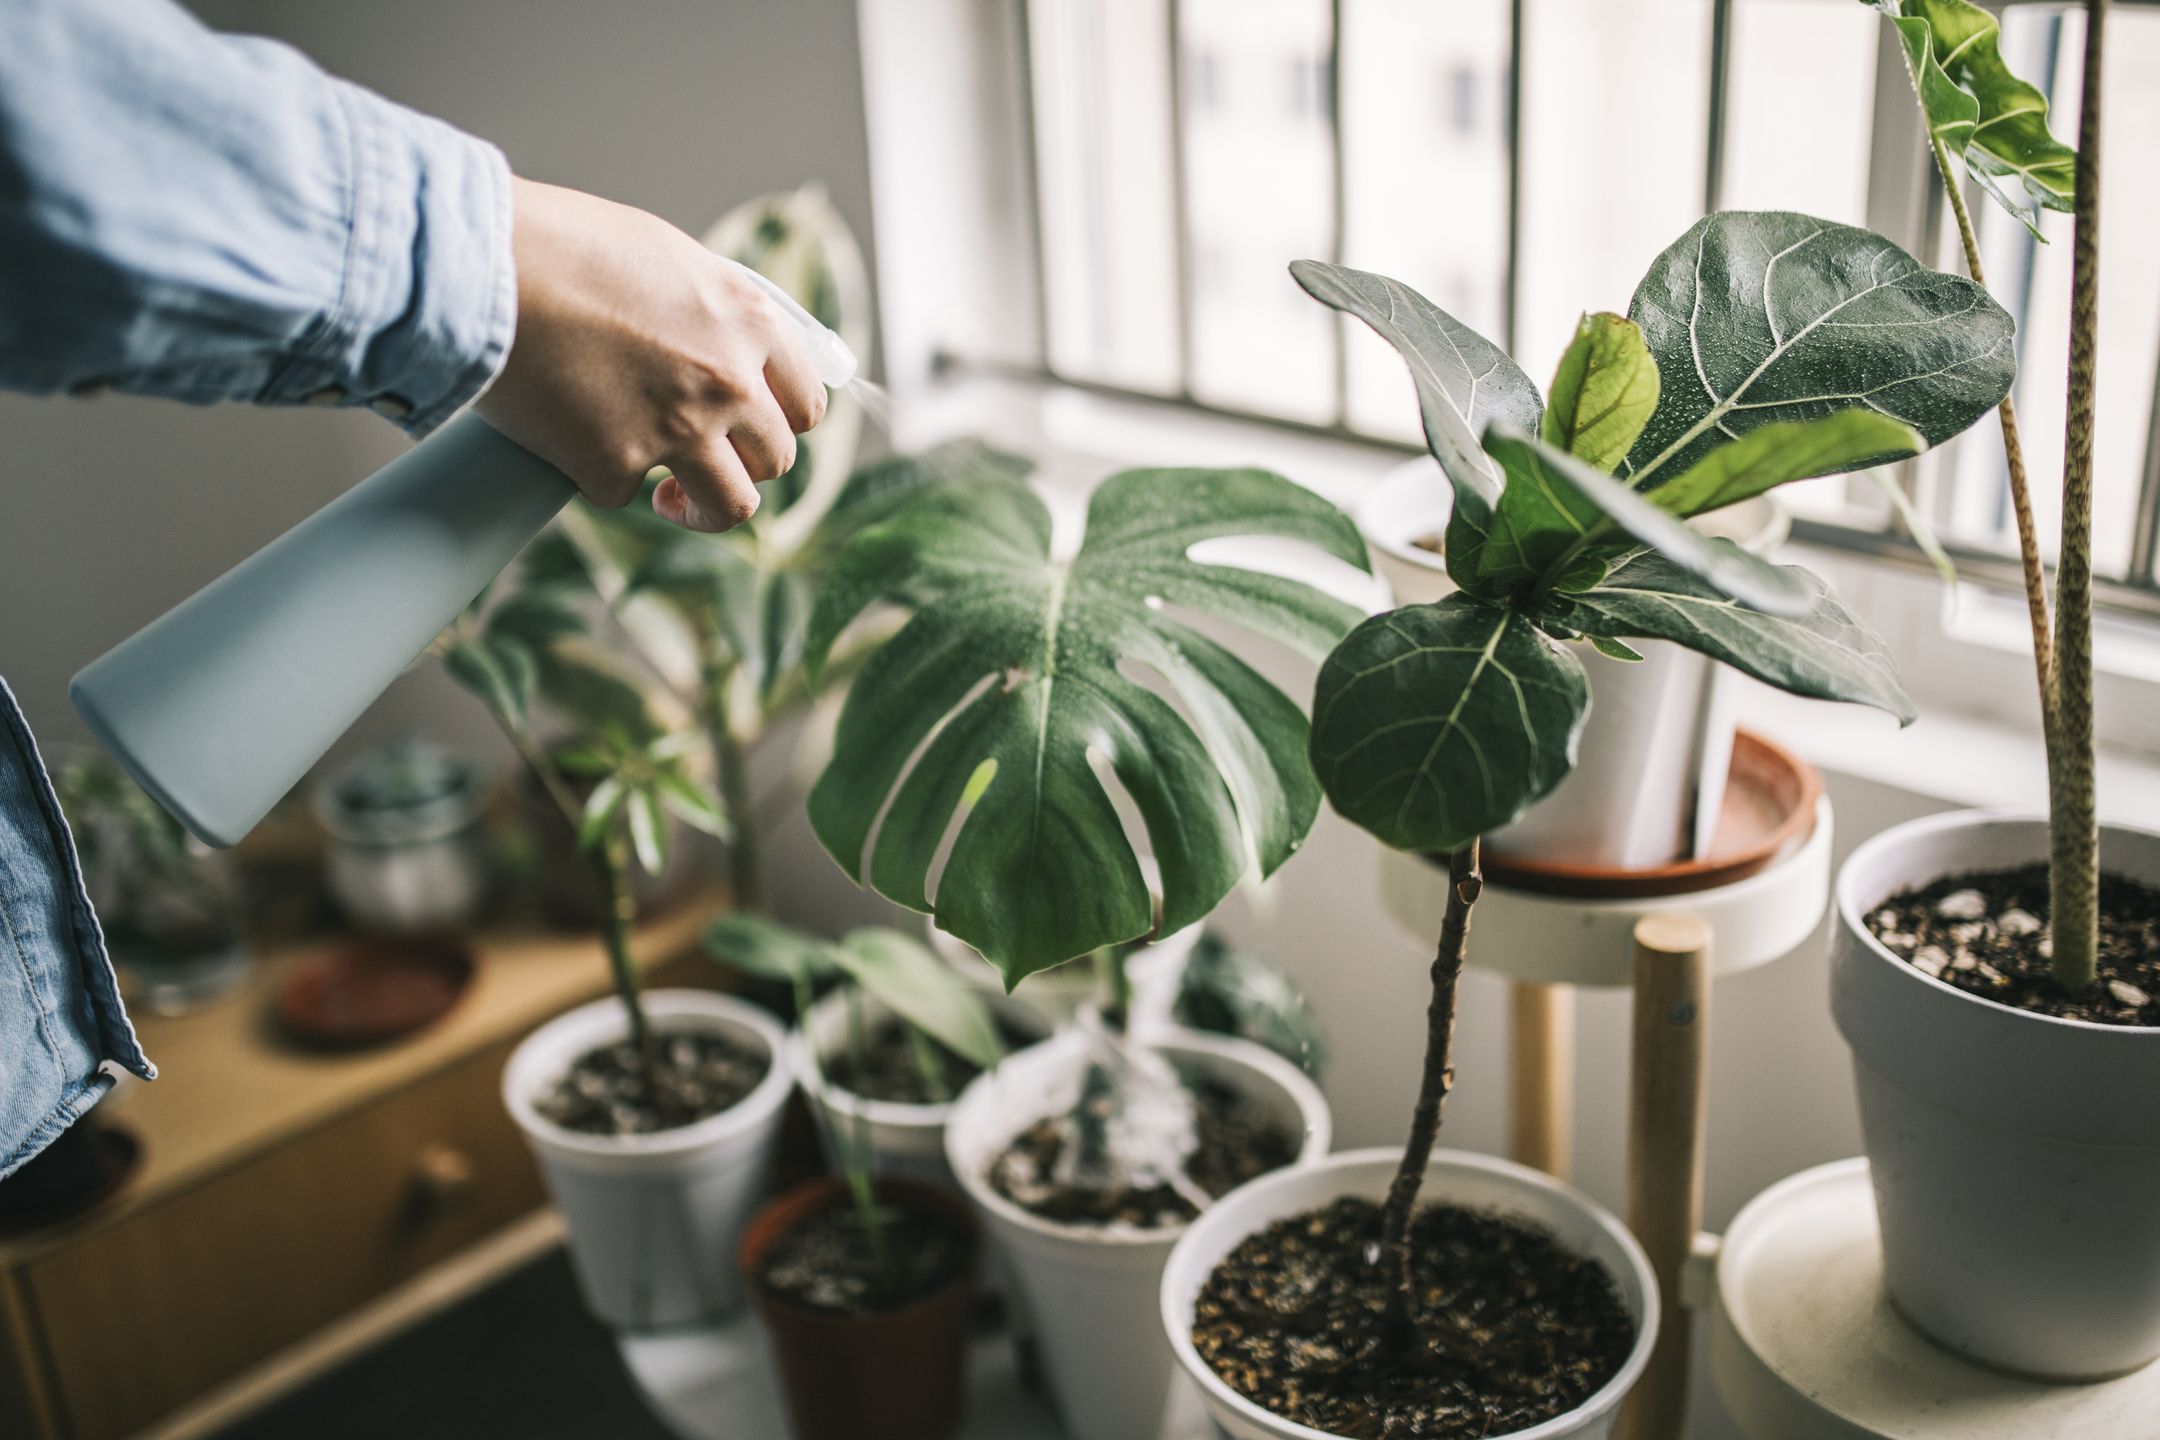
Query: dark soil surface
x=699, y=1074
x=827, y=1262
x=1986, y=933
x=890, y=1069
x=1236, y=1143
x=1511, y=1328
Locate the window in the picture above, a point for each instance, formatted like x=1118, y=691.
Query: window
x=1187, y=150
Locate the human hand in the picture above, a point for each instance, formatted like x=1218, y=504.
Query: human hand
x=638, y=347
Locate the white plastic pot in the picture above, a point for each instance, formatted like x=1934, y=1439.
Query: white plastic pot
x=905, y=1140
x=653, y=1219
x=1455, y=1176
x=1655, y=756
x=1089, y=1293
x=2016, y=1157
x=1060, y=994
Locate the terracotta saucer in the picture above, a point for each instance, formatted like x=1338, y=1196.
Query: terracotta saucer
x=1769, y=812
x=363, y=992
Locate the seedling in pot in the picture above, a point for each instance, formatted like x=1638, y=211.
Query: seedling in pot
x=853, y=1262
x=1760, y=349
x=2094, y=957
x=1027, y=694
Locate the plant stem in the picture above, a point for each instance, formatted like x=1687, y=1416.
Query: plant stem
x=2073, y=826
x=1117, y=988
x=618, y=914
x=746, y=858
x=856, y=1149
x=927, y=1064
x=2036, y=601
x=1464, y=884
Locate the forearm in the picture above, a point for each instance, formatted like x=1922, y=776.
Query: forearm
x=208, y=217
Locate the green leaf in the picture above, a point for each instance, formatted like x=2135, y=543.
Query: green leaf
x=688, y=802
x=597, y=694
x=1758, y=317
x=1032, y=666
x=1613, y=649
x=1826, y=652
x=923, y=990
x=769, y=950
x=782, y=611
x=1788, y=450
x=1603, y=392
x=601, y=808
x=876, y=492
x=1435, y=723
x=1993, y=121
x=1227, y=990
x=1464, y=383
x=1576, y=511
x=500, y=672
x=648, y=832
x=536, y=617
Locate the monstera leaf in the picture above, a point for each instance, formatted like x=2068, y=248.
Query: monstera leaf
x=1824, y=652
x=1019, y=673
x=1996, y=123
x=1435, y=723
x=1760, y=317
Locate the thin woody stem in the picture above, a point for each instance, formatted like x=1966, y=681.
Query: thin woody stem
x=2036, y=601
x=2073, y=826
x=1464, y=884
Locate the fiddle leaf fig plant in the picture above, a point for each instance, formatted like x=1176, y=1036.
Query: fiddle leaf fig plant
x=1760, y=349
x=1021, y=670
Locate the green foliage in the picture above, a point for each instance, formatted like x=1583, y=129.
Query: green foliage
x=635, y=786
x=1226, y=990
x=1018, y=672
x=1977, y=110
x=1760, y=349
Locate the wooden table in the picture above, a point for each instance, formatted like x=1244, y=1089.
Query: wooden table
x=292, y=1206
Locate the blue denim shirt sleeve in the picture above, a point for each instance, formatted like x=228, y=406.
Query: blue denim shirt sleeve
x=60, y=1015
x=210, y=217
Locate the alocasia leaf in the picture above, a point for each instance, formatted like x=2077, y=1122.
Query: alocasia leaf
x=1603, y=392
x=1464, y=383
x=1761, y=316
x=1557, y=512
x=1982, y=113
x=922, y=990
x=1788, y=450
x=1435, y=723
x=1825, y=652
x=1028, y=668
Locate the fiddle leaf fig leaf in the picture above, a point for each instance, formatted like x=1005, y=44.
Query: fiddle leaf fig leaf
x=1825, y=652
x=1464, y=383
x=1557, y=510
x=1760, y=317
x=1787, y=450
x=1981, y=112
x=1603, y=392
x=910, y=980
x=1019, y=672
x=1435, y=723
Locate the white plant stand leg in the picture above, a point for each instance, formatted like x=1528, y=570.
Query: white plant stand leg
x=1804, y=1343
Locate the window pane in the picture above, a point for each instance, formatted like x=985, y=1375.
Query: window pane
x=1101, y=74
x=1615, y=104
x=2033, y=282
x=1800, y=96
x=1259, y=177
x=1425, y=189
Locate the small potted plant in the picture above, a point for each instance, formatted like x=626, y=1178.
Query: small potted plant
x=169, y=906
x=1015, y=669
x=863, y=1279
x=1325, y=1302
x=654, y=1117
x=407, y=850
x=1998, y=976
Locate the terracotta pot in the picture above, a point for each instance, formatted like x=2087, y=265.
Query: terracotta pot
x=896, y=1376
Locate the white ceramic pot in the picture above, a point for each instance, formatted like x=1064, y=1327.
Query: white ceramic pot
x=1058, y=995
x=2016, y=1157
x=1655, y=755
x=1088, y=1293
x=654, y=1219
x=905, y=1140
x=1456, y=1176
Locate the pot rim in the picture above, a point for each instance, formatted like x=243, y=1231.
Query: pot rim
x=1865, y=859
x=809, y=1070
x=765, y=1097
x=1311, y=1104
x=820, y=1193
x=1601, y=1400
